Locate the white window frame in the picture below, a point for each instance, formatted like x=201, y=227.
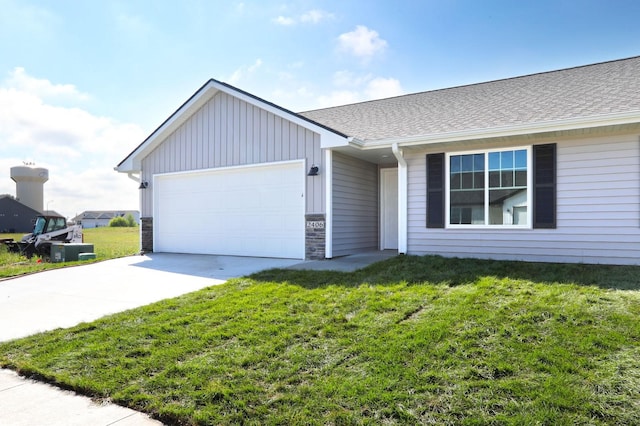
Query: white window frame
x=486, y=152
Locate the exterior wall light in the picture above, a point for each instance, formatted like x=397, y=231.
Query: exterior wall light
x=313, y=171
x=143, y=185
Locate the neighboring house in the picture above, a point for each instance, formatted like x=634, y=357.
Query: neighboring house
x=544, y=167
x=97, y=218
x=51, y=213
x=15, y=217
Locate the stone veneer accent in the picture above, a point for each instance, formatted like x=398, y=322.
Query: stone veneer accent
x=315, y=236
x=146, y=234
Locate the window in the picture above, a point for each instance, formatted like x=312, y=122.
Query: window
x=538, y=171
x=489, y=188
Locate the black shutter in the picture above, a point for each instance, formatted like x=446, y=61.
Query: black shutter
x=544, y=186
x=435, y=190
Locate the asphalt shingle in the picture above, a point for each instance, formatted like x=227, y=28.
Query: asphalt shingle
x=580, y=92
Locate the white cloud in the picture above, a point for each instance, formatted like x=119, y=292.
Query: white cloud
x=285, y=76
x=19, y=80
x=362, y=42
x=244, y=71
x=350, y=79
x=345, y=87
x=379, y=88
x=313, y=16
x=304, y=92
x=284, y=21
x=294, y=97
x=19, y=19
x=352, y=88
x=339, y=97
x=79, y=149
x=257, y=64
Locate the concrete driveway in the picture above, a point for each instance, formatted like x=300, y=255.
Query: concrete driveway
x=68, y=296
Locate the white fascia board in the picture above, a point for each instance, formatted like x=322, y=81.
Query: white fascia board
x=360, y=144
x=127, y=166
x=330, y=140
x=506, y=131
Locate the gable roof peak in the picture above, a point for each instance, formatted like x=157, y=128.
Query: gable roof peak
x=131, y=163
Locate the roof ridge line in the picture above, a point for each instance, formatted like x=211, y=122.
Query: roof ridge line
x=475, y=84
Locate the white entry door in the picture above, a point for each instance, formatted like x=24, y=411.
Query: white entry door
x=389, y=209
x=242, y=211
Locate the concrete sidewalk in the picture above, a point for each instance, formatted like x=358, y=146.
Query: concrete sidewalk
x=350, y=263
x=65, y=297
x=25, y=402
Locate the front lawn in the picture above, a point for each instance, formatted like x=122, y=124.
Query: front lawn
x=108, y=243
x=412, y=340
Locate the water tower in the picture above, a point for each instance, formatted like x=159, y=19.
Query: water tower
x=29, y=185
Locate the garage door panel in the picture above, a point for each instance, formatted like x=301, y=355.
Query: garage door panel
x=252, y=211
x=238, y=246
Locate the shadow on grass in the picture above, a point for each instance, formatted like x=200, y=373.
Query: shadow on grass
x=455, y=271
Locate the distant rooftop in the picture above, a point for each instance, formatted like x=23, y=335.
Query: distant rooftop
x=103, y=214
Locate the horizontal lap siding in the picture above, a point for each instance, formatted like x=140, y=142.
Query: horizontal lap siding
x=355, y=205
x=598, y=211
x=226, y=132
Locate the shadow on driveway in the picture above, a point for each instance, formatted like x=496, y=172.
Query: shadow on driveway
x=211, y=266
x=227, y=267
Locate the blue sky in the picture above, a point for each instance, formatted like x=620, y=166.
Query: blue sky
x=84, y=82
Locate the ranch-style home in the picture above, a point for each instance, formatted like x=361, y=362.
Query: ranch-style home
x=543, y=167
x=97, y=218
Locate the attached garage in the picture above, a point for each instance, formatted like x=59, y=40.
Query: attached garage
x=255, y=210
x=231, y=174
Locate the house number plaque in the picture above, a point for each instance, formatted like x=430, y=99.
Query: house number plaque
x=315, y=224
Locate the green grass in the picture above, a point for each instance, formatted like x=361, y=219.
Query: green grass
x=412, y=340
x=108, y=243
x=113, y=242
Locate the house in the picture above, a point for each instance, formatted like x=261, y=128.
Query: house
x=52, y=213
x=97, y=218
x=543, y=167
x=15, y=217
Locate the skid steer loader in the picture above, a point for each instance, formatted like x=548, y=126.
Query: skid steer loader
x=46, y=230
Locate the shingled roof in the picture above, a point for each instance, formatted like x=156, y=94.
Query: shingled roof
x=581, y=92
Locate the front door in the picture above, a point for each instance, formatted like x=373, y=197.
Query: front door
x=389, y=209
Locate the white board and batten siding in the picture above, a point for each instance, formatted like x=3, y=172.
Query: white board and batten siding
x=355, y=205
x=227, y=132
x=598, y=210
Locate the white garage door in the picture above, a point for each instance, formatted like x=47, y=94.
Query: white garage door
x=240, y=211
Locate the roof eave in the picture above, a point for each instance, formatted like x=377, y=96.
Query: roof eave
x=614, y=119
